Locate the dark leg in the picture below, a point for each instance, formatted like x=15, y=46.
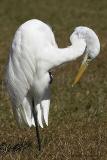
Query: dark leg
x=36, y=125
x=51, y=77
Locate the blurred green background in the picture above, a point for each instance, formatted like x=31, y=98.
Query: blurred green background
x=78, y=116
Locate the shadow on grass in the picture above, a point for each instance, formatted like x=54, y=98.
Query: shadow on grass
x=6, y=148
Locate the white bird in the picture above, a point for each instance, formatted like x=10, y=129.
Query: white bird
x=34, y=52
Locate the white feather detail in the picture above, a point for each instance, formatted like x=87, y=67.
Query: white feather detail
x=45, y=104
x=39, y=115
x=23, y=113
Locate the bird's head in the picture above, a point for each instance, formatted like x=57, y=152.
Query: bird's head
x=92, y=48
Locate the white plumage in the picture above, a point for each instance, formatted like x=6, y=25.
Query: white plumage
x=33, y=53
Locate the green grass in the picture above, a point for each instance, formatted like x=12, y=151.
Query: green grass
x=78, y=116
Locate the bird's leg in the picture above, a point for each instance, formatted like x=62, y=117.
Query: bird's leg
x=36, y=125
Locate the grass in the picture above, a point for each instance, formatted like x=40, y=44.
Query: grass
x=78, y=116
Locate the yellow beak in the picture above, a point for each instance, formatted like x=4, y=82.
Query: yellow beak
x=82, y=69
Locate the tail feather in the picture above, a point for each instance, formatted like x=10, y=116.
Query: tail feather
x=27, y=112
x=45, y=108
x=23, y=113
x=39, y=114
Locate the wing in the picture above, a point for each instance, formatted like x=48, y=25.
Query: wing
x=19, y=71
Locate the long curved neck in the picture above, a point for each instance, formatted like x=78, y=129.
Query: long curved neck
x=56, y=56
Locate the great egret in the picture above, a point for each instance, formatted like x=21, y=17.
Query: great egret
x=33, y=53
